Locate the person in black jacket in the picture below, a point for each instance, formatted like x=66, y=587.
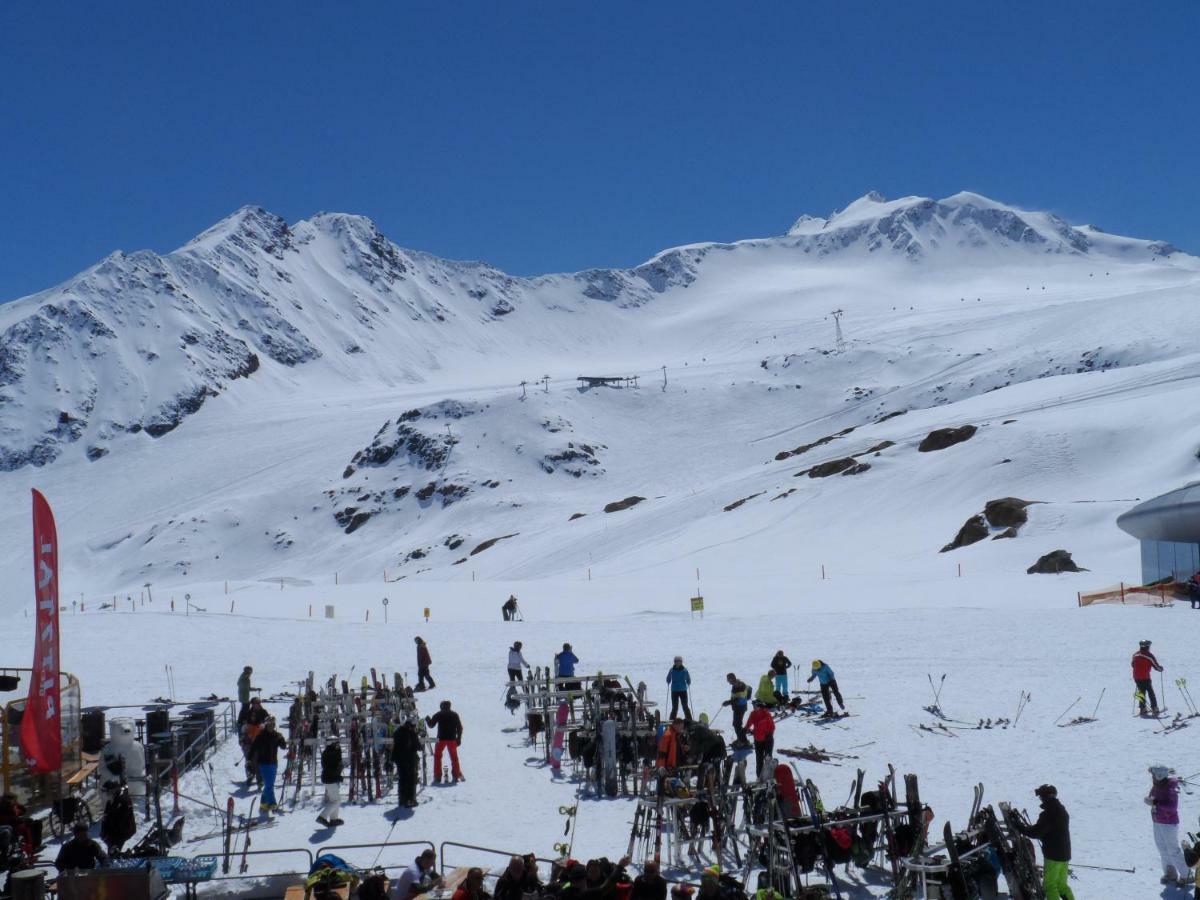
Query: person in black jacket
x=1053, y=829
x=517, y=880
x=650, y=885
x=449, y=738
x=780, y=665
x=265, y=752
x=331, y=777
x=406, y=748
x=81, y=852
x=424, y=661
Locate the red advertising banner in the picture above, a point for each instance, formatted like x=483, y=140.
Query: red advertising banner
x=41, y=732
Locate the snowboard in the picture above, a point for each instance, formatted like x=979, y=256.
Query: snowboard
x=560, y=733
x=789, y=796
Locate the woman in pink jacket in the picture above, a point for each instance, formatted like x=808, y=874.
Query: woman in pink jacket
x=1163, y=801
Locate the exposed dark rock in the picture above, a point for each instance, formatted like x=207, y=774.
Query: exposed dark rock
x=804, y=448
x=1009, y=532
x=575, y=516
x=890, y=415
x=736, y=503
x=351, y=519
x=618, y=505
x=451, y=492
x=94, y=453
x=1008, y=512
x=856, y=469
x=491, y=542
x=426, y=492
x=975, y=529
x=942, y=438
x=833, y=467
x=453, y=542
x=1053, y=562
x=882, y=445
x=348, y=472
x=784, y=494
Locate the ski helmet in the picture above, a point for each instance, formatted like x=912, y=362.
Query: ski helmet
x=1046, y=790
x=566, y=646
x=816, y=664
x=1159, y=772
x=679, y=659
x=1143, y=643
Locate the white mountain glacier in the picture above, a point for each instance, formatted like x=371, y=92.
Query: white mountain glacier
x=275, y=399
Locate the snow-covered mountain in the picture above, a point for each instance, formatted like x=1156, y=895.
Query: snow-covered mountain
x=275, y=399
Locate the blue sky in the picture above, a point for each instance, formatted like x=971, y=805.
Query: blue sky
x=556, y=136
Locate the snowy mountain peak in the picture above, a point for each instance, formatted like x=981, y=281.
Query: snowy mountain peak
x=250, y=226
x=966, y=222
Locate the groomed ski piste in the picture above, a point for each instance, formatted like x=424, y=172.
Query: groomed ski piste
x=1009, y=639
x=300, y=485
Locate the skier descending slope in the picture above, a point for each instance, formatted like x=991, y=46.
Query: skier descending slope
x=1143, y=661
x=1053, y=829
x=331, y=777
x=449, y=738
x=680, y=681
x=1163, y=801
x=829, y=685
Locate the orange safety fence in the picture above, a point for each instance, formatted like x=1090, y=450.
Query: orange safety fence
x=1140, y=594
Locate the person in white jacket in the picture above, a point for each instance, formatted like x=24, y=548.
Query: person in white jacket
x=516, y=662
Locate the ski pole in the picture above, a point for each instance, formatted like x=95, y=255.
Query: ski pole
x=1076, y=865
x=1097, y=709
x=1064, y=712
x=1162, y=690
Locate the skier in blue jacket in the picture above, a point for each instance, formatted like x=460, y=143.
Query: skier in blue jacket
x=679, y=680
x=829, y=685
x=564, y=667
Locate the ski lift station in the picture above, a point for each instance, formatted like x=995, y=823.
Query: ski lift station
x=1168, y=527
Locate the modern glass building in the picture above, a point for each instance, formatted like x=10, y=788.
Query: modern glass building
x=1169, y=529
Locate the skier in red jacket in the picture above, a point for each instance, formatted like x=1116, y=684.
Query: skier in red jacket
x=1143, y=662
x=761, y=725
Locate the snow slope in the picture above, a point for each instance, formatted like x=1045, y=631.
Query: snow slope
x=309, y=399
x=277, y=416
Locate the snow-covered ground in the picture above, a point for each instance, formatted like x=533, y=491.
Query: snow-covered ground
x=992, y=641
x=330, y=411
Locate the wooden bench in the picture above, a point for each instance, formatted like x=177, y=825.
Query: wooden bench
x=80, y=776
x=298, y=892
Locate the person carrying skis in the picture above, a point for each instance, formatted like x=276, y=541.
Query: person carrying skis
x=1163, y=801
x=516, y=659
x=1053, y=829
x=766, y=690
x=509, y=609
x=739, y=698
x=424, y=661
x=829, y=686
x=449, y=738
x=265, y=752
x=406, y=750
x=680, y=681
x=331, y=777
x=761, y=726
x=781, y=664
x=1143, y=662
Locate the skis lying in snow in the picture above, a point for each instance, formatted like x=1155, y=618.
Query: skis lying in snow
x=814, y=753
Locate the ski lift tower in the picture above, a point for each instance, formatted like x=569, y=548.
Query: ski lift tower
x=839, y=342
